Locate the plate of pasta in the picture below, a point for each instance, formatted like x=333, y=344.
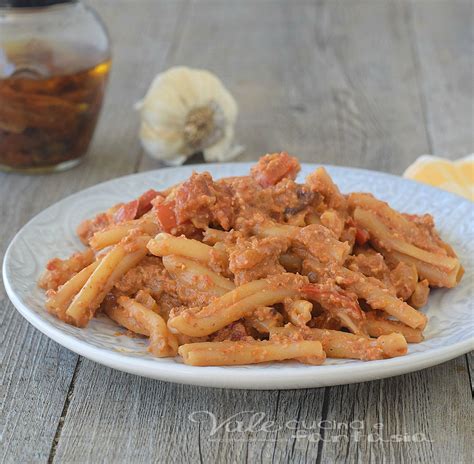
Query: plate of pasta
x=268, y=275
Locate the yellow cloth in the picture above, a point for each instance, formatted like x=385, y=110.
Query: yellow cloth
x=454, y=176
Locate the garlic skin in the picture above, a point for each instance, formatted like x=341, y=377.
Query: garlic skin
x=186, y=111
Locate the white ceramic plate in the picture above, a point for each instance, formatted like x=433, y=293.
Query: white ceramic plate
x=51, y=233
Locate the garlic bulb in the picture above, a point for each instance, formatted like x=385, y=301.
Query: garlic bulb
x=186, y=111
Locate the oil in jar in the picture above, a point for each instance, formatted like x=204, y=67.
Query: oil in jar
x=50, y=100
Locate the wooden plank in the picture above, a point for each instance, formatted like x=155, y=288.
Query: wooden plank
x=36, y=372
x=442, y=33
x=470, y=368
x=374, y=117
x=35, y=378
x=309, y=80
x=120, y=418
x=419, y=417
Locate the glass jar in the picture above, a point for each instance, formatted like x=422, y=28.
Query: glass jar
x=54, y=64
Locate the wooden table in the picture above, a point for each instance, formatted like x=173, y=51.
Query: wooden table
x=371, y=84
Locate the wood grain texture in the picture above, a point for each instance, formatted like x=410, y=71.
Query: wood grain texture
x=418, y=417
x=141, y=420
x=445, y=59
x=35, y=376
x=358, y=83
x=470, y=367
x=308, y=78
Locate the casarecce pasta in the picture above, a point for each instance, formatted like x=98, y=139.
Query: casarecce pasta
x=256, y=268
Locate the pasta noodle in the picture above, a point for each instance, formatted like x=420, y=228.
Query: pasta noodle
x=165, y=244
x=116, y=263
x=250, y=352
x=113, y=235
x=387, y=240
x=339, y=344
x=257, y=268
x=379, y=298
x=263, y=319
x=229, y=308
x=436, y=276
x=298, y=312
x=132, y=314
x=192, y=272
x=58, y=301
x=377, y=326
